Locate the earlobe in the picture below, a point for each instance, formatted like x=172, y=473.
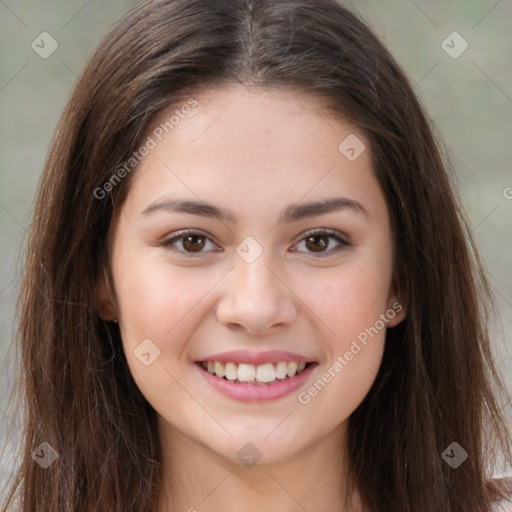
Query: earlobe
x=106, y=308
x=397, y=309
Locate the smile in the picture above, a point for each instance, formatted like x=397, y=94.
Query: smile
x=255, y=377
x=263, y=374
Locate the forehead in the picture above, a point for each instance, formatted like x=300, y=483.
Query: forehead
x=242, y=112
x=254, y=147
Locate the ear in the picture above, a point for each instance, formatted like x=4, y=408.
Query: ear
x=397, y=307
x=106, y=308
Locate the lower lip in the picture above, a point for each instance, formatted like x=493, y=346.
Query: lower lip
x=254, y=392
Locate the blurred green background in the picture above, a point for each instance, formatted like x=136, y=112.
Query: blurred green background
x=469, y=98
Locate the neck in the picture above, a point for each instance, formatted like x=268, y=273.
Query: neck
x=195, y=479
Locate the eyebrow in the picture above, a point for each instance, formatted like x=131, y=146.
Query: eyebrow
x=291, y=213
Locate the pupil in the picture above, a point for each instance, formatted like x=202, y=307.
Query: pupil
x=320, y=240
x=194, y=245
x=195, y=242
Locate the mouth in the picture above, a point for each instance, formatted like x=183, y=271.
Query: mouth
x=255, y=378
x=256, y=375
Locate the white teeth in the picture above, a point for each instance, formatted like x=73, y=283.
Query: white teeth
x=247, y=372
x=292, y=368
x=265, y=373
x=282, y=370
x=261, y=374
x=219, y=369
x=231, y=371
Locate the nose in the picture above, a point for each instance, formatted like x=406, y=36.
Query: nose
x=255, y=298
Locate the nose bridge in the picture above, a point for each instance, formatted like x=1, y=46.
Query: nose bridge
x=253, y=281
x=254, y=297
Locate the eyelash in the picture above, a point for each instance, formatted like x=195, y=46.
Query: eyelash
x=343, y=244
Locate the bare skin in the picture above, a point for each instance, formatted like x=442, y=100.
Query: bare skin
x=253, y=153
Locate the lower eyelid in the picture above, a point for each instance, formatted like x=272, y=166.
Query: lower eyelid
x=170, y=242
x=341, y=245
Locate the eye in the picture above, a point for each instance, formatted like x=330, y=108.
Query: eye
x=191, y=242
x=317, y=241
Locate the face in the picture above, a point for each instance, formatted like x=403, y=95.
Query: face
x=251, y=270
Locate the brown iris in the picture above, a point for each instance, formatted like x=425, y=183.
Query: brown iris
x=193, y=243
x=321, y=241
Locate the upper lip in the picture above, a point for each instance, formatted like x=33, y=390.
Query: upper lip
x=256, y=358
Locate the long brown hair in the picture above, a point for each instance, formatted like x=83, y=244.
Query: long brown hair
x=437, y=383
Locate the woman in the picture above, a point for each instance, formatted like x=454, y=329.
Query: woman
x=249, y=284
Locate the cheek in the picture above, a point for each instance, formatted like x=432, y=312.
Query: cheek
x=350, y=298
x=351, y=301
x=153, y=298
x=346, y=376
x=158, y=308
